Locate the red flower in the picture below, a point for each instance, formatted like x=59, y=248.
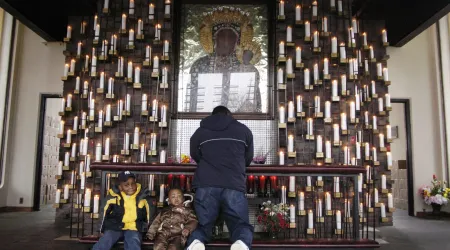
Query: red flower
x=259, y=219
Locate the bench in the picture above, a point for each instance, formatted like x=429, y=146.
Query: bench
x=271, y=244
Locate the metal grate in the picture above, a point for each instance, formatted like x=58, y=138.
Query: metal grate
x=264, y=137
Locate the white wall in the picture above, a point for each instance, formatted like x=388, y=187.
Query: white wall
x=38, y=70
x=414, y=75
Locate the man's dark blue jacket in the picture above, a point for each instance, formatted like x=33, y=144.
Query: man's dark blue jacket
x=222, y=148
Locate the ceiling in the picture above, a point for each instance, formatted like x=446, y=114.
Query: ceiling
x=404, y=18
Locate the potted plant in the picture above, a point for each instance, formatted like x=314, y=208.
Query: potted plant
x=274, y=218
x=435, y=195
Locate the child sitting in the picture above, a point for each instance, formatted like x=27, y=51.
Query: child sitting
x=172, y=226
x=126, y=214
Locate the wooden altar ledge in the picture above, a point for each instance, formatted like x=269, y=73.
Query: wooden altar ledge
x=272, y=244
x=252, y=169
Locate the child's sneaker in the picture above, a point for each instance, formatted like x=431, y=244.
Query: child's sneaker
x=196, y=245
x=239, y=245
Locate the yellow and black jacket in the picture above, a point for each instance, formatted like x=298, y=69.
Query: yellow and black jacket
x=123, y=212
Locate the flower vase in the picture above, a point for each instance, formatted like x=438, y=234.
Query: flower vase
x=436, y=208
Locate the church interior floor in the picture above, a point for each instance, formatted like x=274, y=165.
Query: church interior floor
x=37, y=230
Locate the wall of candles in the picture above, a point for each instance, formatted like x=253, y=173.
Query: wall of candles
x=332, y=106
x=117, y=86
x=333, y=97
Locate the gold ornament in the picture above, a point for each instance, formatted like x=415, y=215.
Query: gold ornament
x=224, y=15
x=251, y=46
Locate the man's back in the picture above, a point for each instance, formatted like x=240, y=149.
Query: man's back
x=222, y=148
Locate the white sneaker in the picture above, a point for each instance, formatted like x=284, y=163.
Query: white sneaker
x=239, y=245
x=196, y=245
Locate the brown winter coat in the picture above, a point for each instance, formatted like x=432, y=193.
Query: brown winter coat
x=168, y=226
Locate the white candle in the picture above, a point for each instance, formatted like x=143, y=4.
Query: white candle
x=334, y=45
x=350, y=67
x=280, y=76
x=367, y=149
x=298, y=13
x=384, y=36
x=131, y=37
x=380, y=104
x=291, y=183
x=364, y=39
x=358, y=150
x=342, y=51
x=110, y=85
x=343, y=121
x=328, y=149
x=390, y=201
x=72, y=65
x=316, y=72
x=360, y=178
x=336, y=184
x=336, y=133
x=131, y=10
x=289, y=34
x=136, y=136
x=162, y=157
x=310, y=126
x=88, y=163
x=155, y=108
x=107, y=146
x=163, y=113
x=306, y=77
x=375, y=192
x=308, y=181
x=137, y=75
x=383, y=210
x=325, y=66
x=142, y=153
x=379, y=70
x=319, y=144
x=355, y=25
x=68, y=136
x=333, y=3
x=334, y=88
x=87, y=198
x=371, y=52
x=327, y=109
x=126, y=145
x=153, y=141
x=155, y=64
x=66, y=70
x=374, y=154
x=310, y=219
x=166, y=48
x=301, y=201
x=374, y=123
x=289, y=69
x=97, y=31
x=344, y=83
x=94, y=65
x=282, y=115
x=292, y=213
x=66, y=192
x=72, y=178
x=385, y=74
x=74, y=150
x=161, y=193
x=316, y=39
x=164, y=75
x=151, y=11
x=381, y=140
x=352, y=110
x=69, y=32
x=59, y=169
x=290, y=143
x=319, y=208
x=339, y=5
x=361, y=210
x=338, y=220
x=140, y=26
x=98, y=152
x=92, y=108
x=291, y=110
x=325, y=24
x=96, y=203
x=317, y=104
x=299, y=104
x=157, y=32
x=144, y=102
x=346, y=156
x=281, y=8
x=128, y=103
x=147, y=53
x=58, y=196
x=298, y=55
x=389, y=159
x=281, y=160
x=307, y=29
x=357, y=102
x=383, y=181
x=124, y=22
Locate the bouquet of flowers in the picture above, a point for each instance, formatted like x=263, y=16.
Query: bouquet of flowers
x=273, y=217
x=437, y=194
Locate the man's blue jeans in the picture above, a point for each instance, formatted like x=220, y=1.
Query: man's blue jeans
x=132, y=240
x=233, y=205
